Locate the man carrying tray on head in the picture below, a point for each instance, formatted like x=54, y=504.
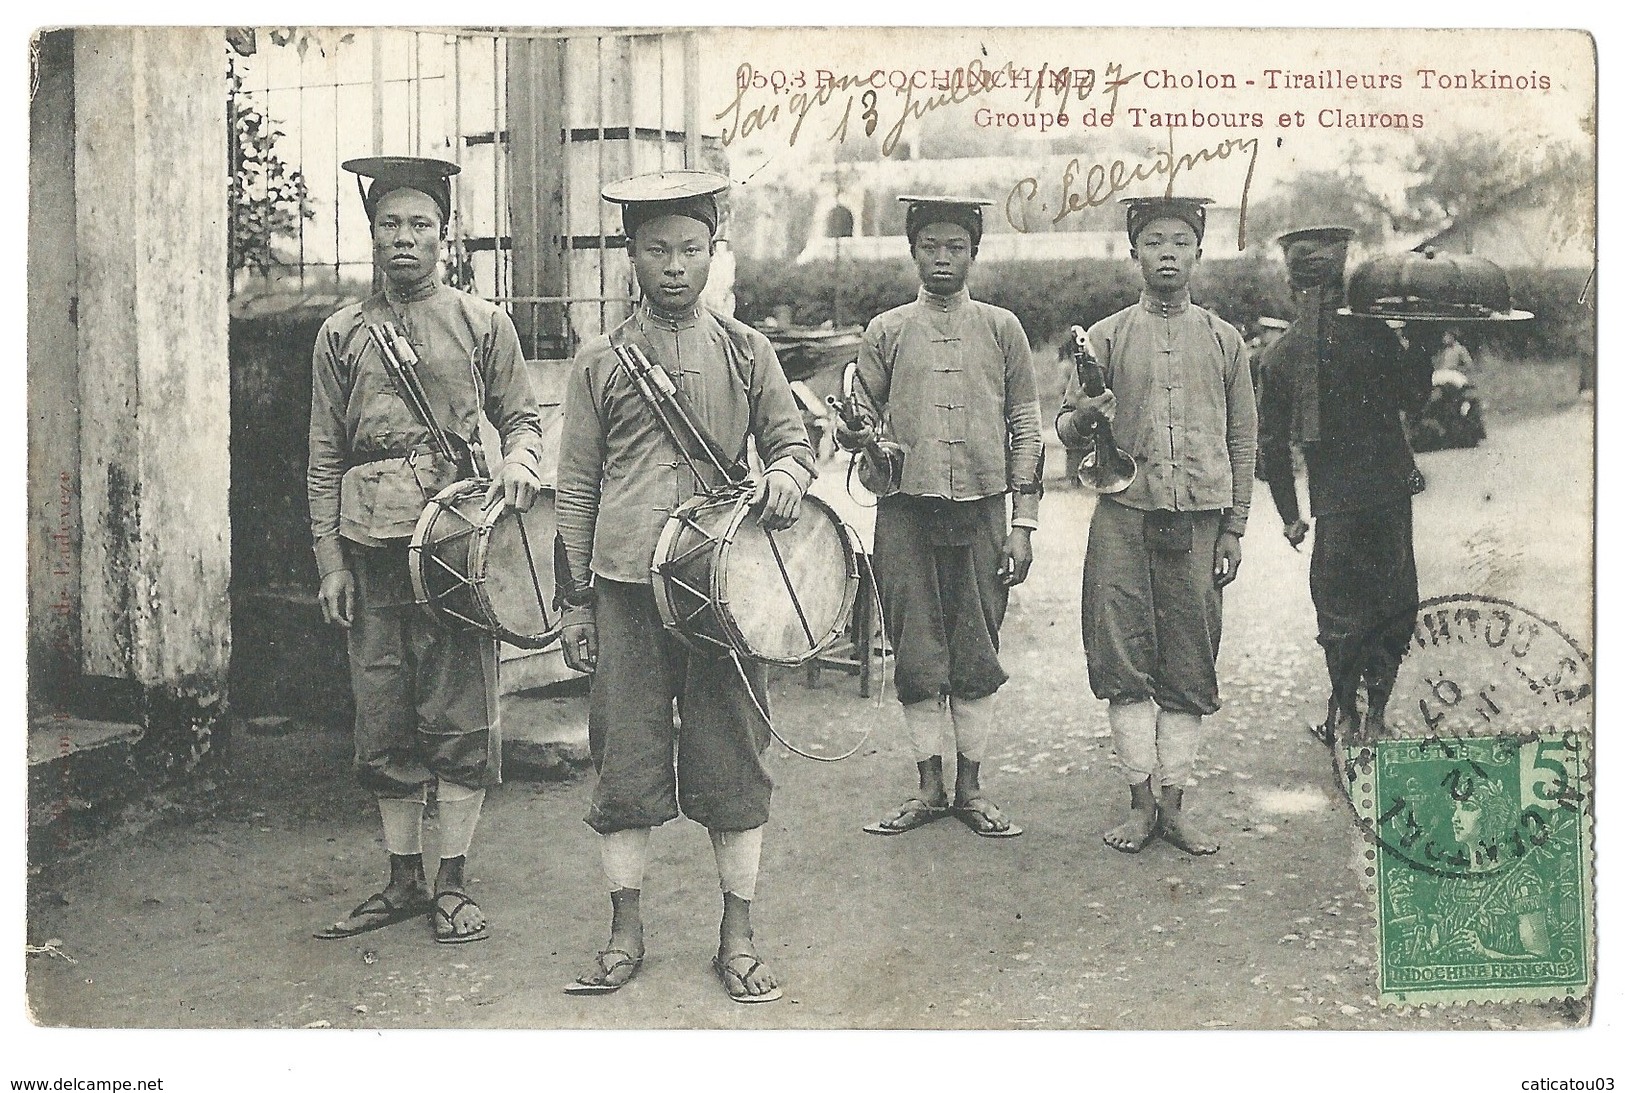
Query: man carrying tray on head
x=425, y=697
x=952, y=380
x=1335, y=386
x=1180, y=399
x=620, y=478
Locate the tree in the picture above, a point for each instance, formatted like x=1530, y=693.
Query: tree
x=1318, y=197
x=1458, y=175
x=1470, y=172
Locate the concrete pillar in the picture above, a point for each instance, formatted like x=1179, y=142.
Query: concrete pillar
x=154, y=394
x=53, y=379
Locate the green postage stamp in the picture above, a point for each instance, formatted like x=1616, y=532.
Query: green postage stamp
x=1475, y=807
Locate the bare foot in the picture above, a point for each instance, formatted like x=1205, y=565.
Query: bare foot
x=457, y=918
x=400, y=901
x=406, y=896
x=1133, y=834
x=1178, y=830
x=744, y=976
x=611, y=970
x=619, y=960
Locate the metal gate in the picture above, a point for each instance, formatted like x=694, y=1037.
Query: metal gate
x=537, y=119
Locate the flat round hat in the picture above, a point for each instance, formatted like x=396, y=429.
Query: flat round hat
x=646, y=197
x=664, y=186
x=924, y=209
x=429, y=176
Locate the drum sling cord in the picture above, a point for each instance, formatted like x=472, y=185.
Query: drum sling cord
x=476, y=451
x=761, y=709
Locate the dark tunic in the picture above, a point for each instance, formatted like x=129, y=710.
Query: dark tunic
x=1365, y=378
x=1362, y=574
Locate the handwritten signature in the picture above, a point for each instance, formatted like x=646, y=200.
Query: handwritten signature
x=859, y=98
x=1089, y=186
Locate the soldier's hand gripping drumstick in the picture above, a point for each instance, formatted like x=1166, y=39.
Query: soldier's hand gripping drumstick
x=779, y=499
x=516, y=484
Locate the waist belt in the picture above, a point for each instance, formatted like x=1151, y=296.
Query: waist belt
x=427, y=448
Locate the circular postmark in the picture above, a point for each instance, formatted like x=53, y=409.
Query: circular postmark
x=1482, y=763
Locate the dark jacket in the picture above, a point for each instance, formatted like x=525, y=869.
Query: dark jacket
x=1366, y=376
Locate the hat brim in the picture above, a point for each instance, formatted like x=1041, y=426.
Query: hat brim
x=1322, y=233
x=1435, y=317
x=400, y=167
x=925, y=199
x=661, y=186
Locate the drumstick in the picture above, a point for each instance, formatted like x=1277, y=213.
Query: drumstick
x=406, y=384
x=535, y=579
x=669, y=395
x=795, y=601
x=407, y=359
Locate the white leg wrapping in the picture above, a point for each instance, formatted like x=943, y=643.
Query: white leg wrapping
x=1177, y=738
x=403, y=823
x=927, y=729
x=625, y=854
x=739, y=857
x=1134, y=735
x=459, y=816
x=973, y=723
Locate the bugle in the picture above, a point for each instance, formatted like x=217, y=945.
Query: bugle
x=880, y=461
x=1105, y=468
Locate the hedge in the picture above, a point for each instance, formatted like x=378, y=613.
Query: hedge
x=1049, y=296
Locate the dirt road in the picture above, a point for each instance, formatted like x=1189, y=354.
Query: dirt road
x=204, y=917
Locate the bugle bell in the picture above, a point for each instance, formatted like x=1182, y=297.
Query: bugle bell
x=1105, y=468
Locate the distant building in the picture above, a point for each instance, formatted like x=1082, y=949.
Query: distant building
x=855, y=214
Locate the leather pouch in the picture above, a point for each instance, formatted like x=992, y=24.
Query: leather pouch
x=1169, y=532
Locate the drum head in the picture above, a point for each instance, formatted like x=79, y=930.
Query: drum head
x=516, y=563
x=757, y=596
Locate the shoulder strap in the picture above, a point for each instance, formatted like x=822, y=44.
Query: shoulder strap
x=1212, y=326
x=407, y=383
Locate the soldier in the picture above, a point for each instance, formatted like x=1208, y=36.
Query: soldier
x=425, y=697
x=620, y=477
x=1336, y=386
x=952, y=379
x=1179, y=394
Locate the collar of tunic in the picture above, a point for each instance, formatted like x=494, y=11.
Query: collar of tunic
x=1166, y=308
x=648, y=316
x=429, y=288
x=952, y=302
